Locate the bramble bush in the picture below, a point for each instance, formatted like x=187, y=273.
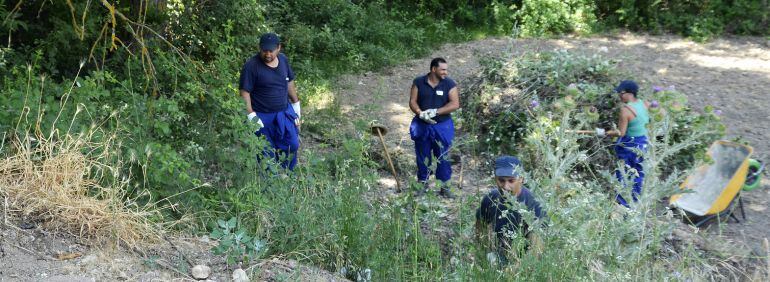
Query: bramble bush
x=512, y=94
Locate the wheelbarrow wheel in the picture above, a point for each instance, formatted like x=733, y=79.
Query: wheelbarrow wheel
x=754, y=177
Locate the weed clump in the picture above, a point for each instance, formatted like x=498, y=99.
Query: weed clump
x=72, y=183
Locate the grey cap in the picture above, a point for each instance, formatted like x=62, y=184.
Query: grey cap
x=508, y=166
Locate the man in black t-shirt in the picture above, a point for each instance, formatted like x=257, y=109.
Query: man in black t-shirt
x=267, y=87
x=432, y=98
x=503, y=206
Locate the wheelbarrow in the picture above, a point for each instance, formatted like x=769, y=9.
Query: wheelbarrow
x=715, y=187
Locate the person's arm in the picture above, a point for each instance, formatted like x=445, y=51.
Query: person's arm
x=246, y=84
x=625, y=116
x=247, y=98
x=413, y=100
x=537, y=209
x=534, y=238
x=483, y=216
x=293, y=98
x=452, y=105
x=250, y=114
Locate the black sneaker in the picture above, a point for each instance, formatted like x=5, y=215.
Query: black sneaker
x=446, y=193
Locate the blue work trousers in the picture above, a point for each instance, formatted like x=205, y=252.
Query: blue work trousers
x=432, y=141
x=283, y=136
x=627, y=148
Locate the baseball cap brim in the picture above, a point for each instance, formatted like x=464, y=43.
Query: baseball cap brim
x=268, y=46
x=506, y=172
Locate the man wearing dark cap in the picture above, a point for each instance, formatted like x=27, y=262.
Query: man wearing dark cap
x=432, y=98
x=267, y=87
x=502, y=206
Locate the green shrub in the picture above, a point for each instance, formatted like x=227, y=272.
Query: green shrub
x=552, y=17
x=516, y=93
x=698, y=19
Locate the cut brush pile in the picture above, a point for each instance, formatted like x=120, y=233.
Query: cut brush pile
x=72, y=184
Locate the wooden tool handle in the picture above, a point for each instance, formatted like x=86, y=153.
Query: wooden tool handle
x=387, y=157
x=581, y=131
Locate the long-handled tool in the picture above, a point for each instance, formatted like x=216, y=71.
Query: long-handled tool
x=459, y=159
x=581, y=131
x=381, y=130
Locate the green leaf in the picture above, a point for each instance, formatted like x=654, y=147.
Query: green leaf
x=216, y=234
x=164, y=127
x=258, y=245
x=239, y=235
x=232, y=222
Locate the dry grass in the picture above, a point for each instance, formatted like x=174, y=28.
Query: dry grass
x=73, y=183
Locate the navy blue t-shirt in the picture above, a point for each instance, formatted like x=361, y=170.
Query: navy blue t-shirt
x=429, y=97
x=268, y=87
x=494, y=209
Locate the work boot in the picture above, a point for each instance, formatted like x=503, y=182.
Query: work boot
x=446, y=193
x=422, y=189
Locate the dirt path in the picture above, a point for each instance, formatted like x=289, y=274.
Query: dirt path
x=733, y=75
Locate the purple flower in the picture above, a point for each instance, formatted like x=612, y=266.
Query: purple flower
x=718, y=112
x=534, y=103
x=657, y=89
x=654, y=104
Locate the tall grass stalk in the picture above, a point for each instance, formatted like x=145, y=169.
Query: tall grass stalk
x=72, y=181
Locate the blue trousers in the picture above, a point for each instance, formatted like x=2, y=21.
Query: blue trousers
x=432, y=140
x=625, y=150
x=283, y=136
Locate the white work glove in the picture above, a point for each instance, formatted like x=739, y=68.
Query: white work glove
x=297, y=109
x=255, y=119
x=431, y=113
x=601, y=132
x=425, y=116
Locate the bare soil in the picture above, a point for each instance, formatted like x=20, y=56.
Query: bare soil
x=37, y=255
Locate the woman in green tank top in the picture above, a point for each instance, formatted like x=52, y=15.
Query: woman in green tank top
x=632, y=137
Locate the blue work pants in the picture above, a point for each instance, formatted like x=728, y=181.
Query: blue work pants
x=432, y=141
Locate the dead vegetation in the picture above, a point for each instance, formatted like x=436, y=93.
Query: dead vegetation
x=73, y=183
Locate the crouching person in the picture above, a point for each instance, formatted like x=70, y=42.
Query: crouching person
x=502, y=206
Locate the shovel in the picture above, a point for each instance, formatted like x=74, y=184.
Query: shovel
x=380, y=130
